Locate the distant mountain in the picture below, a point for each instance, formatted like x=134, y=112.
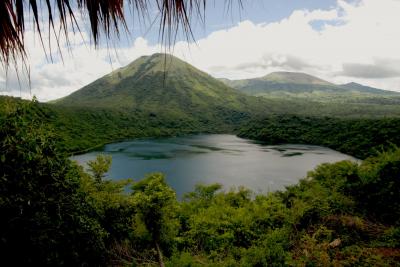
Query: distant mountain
x=294, y=83
x=291, y=82
x=165, y=85
x=175, y=94
x=294, y=77
x=367, y=89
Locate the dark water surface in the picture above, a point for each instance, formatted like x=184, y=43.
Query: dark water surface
x=214, y=158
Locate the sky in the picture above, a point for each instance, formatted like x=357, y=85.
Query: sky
x=337, y=40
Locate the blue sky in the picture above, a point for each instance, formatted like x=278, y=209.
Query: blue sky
x=340, y=41
x=219, y=16
x=257, y=11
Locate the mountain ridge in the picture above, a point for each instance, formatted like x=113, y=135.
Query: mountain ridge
x=298, y=82
x=295, y=77
x=162, y=84
x=365, y=88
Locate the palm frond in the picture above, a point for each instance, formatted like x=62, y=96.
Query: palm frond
x=105, y=16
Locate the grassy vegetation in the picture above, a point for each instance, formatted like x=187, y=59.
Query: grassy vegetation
x=181, y=91
x=56, y=214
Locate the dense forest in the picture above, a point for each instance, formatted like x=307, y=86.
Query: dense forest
x=358, y=137
x=82, y=128
x=56, y=213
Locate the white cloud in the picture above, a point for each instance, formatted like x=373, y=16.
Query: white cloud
x=52, y=80
x=359, y=34
x=358, y=41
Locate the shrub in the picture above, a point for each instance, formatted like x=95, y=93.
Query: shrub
x=45, y=219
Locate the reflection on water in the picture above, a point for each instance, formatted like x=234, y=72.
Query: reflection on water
x=224, y=159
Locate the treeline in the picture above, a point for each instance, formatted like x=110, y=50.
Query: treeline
x=55, y=213
x=83, y=128
x=358, y=137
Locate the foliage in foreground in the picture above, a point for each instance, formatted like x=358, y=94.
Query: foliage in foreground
x=44, y=216
x=54, y=213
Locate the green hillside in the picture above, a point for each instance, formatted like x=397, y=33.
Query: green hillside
x=83, y=128
x=160, y=95
x=367, y=89
x=297, y=86
x=163, y=84
x=358, y=137
x=283, y=82
x=294, y=77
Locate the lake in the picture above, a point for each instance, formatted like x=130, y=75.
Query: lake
x=214, y=158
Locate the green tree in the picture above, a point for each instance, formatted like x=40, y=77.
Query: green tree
x=45, y=218
x=100, y=166
x=379, y=186
x=156, y=206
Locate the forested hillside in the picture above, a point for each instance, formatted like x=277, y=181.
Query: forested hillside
x=303, y=87
x=83, y=128
x=358, y=137
x=164, y=85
